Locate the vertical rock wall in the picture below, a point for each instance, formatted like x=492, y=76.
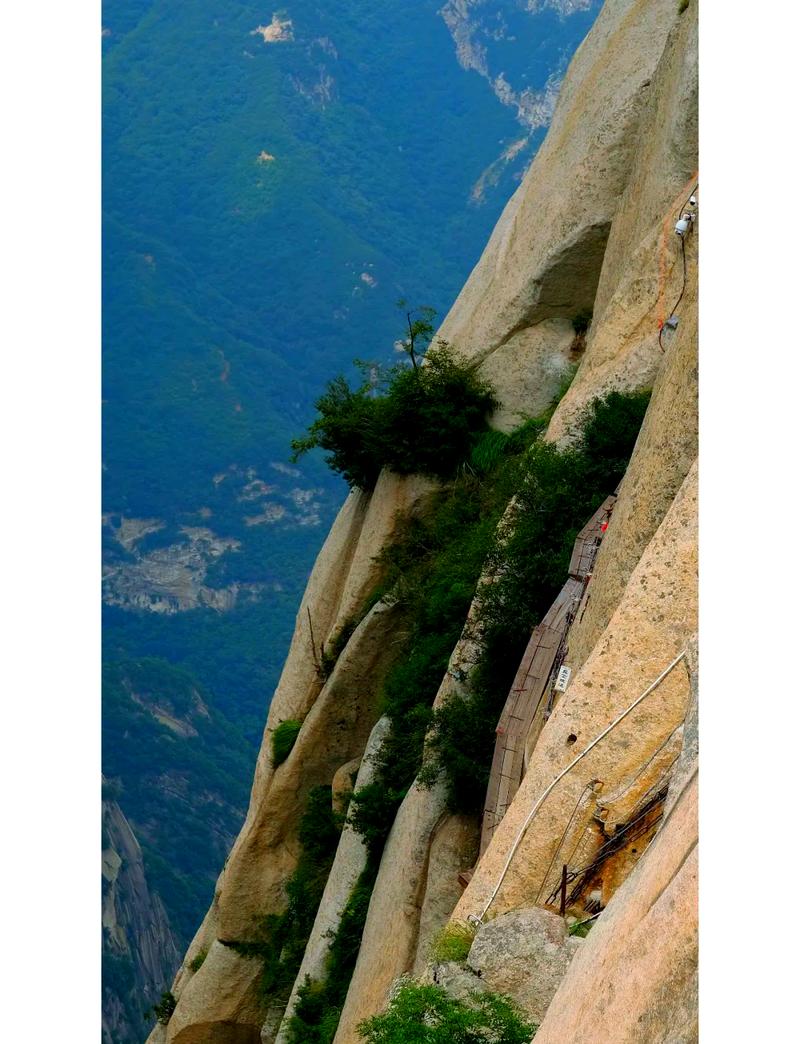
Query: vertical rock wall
x=130, y=912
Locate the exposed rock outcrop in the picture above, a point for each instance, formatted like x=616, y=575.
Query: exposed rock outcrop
x=134, y=975
x=544, y=257
x=642, y=268
x=665, y=450
x=219, y=1004
x=453, y=849
x=335, y=730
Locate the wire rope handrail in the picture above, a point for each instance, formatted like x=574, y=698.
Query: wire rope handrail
x=565, y=771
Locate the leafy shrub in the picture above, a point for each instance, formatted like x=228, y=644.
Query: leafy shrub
x=422, y=1014
x=314, y=1020
x=610, y=429
x=372, y=810
x=420, y=420
x=347, y=939
x=283, y=740
x=488, y=451
x=433, y=415
x=164, y=1008
x=461, y=744
x=319, y=828
x=453, y=942
x=682, y=5
x=196, y=963
x=350, y=429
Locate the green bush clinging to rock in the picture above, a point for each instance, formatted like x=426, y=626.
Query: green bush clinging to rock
x=453, y=942
x=315, y=1018
x=422, y=420
x=423, y=1014
x=164, y=1008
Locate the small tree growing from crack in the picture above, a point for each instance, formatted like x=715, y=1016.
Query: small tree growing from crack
x=419, y=323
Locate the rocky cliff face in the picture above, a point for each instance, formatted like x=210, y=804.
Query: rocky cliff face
x=133, y=975
x=590, y=228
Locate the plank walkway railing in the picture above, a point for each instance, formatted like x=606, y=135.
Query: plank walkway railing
x=532, y=696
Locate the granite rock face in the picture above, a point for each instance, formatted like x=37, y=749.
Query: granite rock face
x=131, y=911
x=642, y=272
x=544, y=258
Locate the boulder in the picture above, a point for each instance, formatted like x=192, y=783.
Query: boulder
x=524, y=954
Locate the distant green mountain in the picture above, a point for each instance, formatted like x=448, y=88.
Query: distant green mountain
x=273, y=181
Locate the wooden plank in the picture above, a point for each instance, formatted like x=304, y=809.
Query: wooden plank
x=588, y=540
x=526, y=708
x=507, y=763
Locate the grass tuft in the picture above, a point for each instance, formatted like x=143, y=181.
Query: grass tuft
x=283, y=740
x=453, y=942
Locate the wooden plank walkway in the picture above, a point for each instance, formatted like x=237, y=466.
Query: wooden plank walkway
x=589, y=538
x=531, y=698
